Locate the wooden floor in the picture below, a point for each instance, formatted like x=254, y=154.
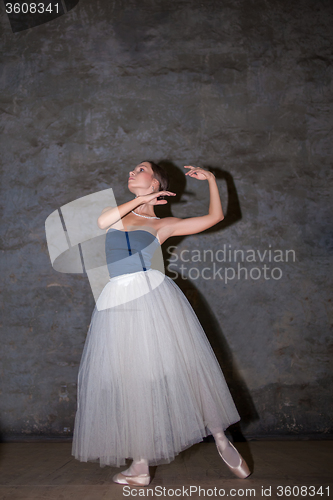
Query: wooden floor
x=48, y=471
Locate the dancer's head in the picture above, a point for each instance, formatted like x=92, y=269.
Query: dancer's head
x=147, y=177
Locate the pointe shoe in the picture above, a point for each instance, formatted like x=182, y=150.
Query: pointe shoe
x=139, y=480
x=242, y=471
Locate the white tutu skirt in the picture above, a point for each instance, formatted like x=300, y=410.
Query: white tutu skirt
x=149, y=383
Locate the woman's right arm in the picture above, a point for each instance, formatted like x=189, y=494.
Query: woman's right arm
x=111, y=215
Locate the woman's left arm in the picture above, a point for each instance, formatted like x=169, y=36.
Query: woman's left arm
x=193, y=225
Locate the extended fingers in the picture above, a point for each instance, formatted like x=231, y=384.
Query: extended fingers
x=199, y=172
x=191, y=171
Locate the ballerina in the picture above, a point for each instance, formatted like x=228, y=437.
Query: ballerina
x=149, y=383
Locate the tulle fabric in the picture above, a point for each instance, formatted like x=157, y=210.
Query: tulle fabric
x=149, y=383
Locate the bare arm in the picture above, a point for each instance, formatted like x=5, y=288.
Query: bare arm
x=111, y=215
x=193, y=225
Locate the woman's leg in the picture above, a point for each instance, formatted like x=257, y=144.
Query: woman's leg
x=138, y=466
x=229, y=453
x=213, y=418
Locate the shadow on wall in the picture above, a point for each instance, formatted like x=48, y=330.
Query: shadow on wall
x=178, y=185
x=233, y=214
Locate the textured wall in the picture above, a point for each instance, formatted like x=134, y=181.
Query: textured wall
x=242, y=87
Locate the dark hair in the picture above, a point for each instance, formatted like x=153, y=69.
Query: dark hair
x=159, y=174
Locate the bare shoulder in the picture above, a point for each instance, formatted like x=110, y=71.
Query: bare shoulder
x=165, y=227
x=168, y=221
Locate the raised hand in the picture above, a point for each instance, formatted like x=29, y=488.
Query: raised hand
x=199, y=173
x=151, y=198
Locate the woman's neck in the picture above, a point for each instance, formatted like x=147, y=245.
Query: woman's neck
x=145, y=209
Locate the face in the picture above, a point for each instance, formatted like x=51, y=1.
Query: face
x=141, y=179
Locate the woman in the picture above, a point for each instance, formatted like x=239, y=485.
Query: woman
x=149, y=383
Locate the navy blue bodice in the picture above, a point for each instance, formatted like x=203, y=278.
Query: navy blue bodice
x=129, y=251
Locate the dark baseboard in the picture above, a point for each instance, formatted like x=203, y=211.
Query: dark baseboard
x=21, y=438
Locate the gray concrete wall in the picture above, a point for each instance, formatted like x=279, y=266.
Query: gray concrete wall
x=244, y=88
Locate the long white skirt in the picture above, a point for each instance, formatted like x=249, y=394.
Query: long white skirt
x=149, y=383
